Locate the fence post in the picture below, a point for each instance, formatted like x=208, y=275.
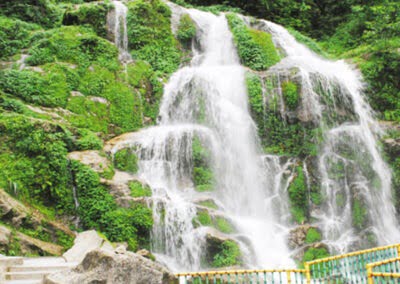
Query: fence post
x=289, y=279
x=308, y=272
x=369, y=274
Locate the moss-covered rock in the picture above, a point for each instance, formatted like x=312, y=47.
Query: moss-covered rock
x=298, y=197
x=255, y=48
x=93, y=15
x=186, y=30
x=126, y=160
x=139, y=190
x=150, y=35
x=203, y=177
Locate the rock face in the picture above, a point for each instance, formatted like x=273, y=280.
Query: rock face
x=104, y=266
x=84, y=243
x=91, y=158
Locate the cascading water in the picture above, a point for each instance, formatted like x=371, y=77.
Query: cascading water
x=208, y=101
x=353, y=173
x=116, y=21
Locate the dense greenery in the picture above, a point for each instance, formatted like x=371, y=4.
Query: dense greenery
x=203, y=178
x=298, y=197
x=98, y=210
x=255, y=48
x=150, y=35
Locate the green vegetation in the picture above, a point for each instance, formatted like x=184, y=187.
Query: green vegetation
x=150, y=35
x=223, y=225
x=360, y=214
x=139, y=190
x=203, y=177
x=256, y=101
x=92, y=15
x=209, y=203
x=228, y=255
x=298, y=197
x=290, y=94
x=313, y=235
x=14, y=35
x=98, y=210
x=126, y=160
x=255, y=48
x=313, y=253
x=186, y=29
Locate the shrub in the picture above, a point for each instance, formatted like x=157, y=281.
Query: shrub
x=255, y=48
x=313, y=235
x=228, y=255
x=298, y=197
x=44, y=89
x=126, y=160
x=150, y=35
x=255, y=93
x=93, y=15
x=290, y=94
x=14, y=35
x=186, y=29
x=315, y=253
x=139, y=190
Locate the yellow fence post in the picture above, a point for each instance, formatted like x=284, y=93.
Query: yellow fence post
x=369, y=274
x=398, y=250
x=308, y=272
x=289, y=279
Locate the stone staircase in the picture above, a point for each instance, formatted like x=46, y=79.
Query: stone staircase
x=21, y=270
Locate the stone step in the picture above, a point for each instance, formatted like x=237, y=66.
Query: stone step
x=23, y=282
x=11, y=261
x=30, y=275
x=53, y=267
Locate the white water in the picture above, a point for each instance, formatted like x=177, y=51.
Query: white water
x=214, y=84
x=349, y=148
x=118, y=25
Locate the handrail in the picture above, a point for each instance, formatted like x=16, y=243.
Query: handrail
x=371, y=274
x=308, y=273
x=241, y=271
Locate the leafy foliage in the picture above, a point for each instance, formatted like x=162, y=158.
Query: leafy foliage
x=229, y=255
x=255, y=48
x=139, y=190
x=203, y=177
x=150, y=35
x=186, y=29
x=313, y=235
x=126, y=160
x=290, y=94
x=298, y=197
x=99, y=210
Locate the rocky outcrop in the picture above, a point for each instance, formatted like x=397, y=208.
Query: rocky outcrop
x=84, y=243
x=92, y=159
x=11, y=210
x=31, y=245
x=116, y=267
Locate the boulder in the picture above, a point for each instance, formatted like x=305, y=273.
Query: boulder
x=84, y=243
x=12, y=210
x=91, y=158
x=103, y=266
x=29, y=245
x=5, y=235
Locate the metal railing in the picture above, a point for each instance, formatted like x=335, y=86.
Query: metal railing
x=379, y=265
x=386, y=271
x=269, y=276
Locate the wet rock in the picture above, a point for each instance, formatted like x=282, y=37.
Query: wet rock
x=392, y=146
x=297, y=236
x=31, y=245
x=102, y=266
x=12, y=210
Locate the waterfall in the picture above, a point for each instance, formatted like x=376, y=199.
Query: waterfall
x=352, y=170
x=117, y=25
x=208, y=101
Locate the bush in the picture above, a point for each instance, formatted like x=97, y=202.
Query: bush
x=48, y=89
x=313, y=235
x=315, y=253
x=290, y=94
x=255, y=48
x=256, y=100
x=93, y=15
x=139, y=190
x=126, y=160
x=14, y=35
x=298, y=197
x=186, y=29
x=229, y=255
x=98, y=210
x=42, y=12
x=203, y=177
x=150, y=35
